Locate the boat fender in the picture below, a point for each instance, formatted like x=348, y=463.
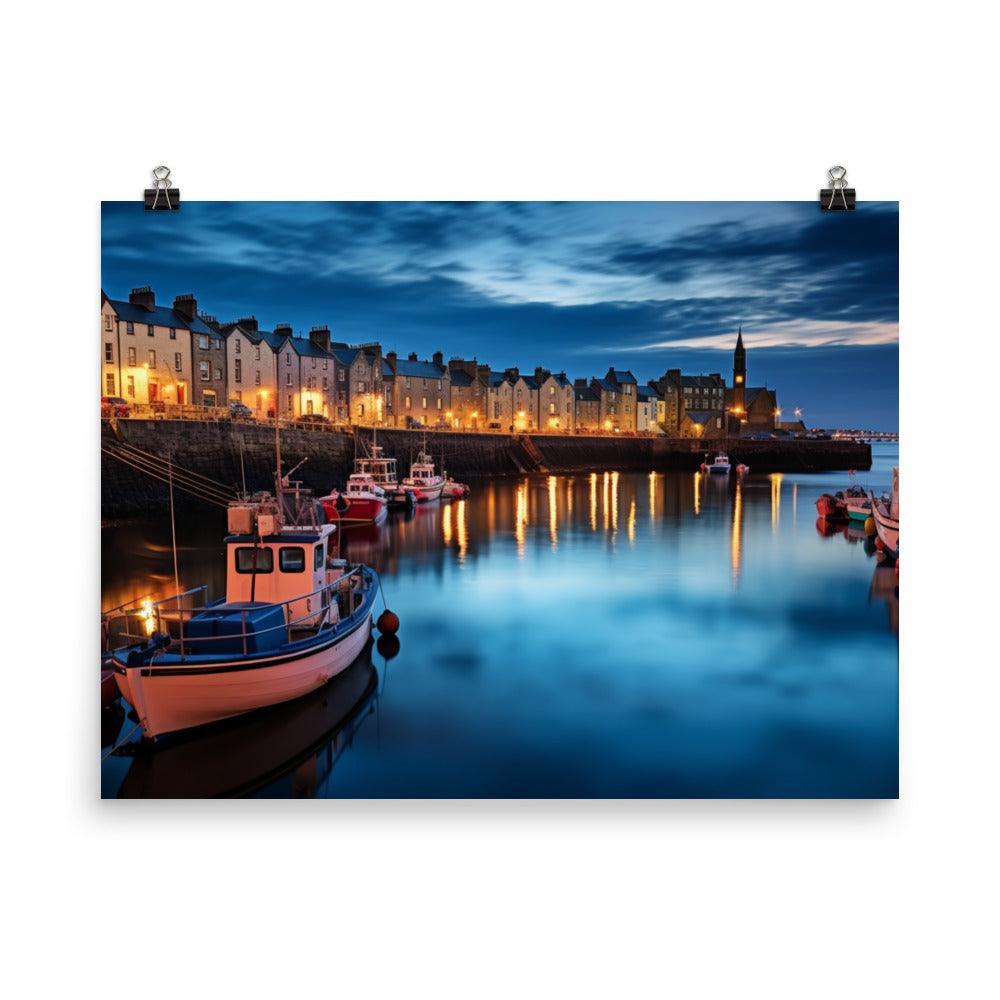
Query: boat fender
x=341, y=503
x=869, y=525
x=388, y=622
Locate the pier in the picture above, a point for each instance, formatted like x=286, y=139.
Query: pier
x=234, y=454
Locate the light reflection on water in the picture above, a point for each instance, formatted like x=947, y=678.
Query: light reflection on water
x=729, y=648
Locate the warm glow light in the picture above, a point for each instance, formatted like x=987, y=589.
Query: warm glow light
x=553, y=513
x=607, y=425
x=735, y=539
x=460, y=533
x=614, y=501
x=593, y=501
x=697, y=493
x=446, y=524
x=475, y=414
x=146, y=614
x=631, y=522
x=798, y=412
x=775, y=478
x=520, y=515
x=652, y=496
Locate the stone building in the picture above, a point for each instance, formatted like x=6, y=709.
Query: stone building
x=251, y=366
x=361, y=390
x=609, y=398
x=420, y=391
x=647, y=417
x=699, y=393
x=470, y=383
x=625, y=385
x=500, y=403
x=208, y=357
x=586, y=406
x=702, y=424
x=556, y=402
x=146, y=349
x=525, y=400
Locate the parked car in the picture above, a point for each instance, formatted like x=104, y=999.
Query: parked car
x=239, y=411
x=114, y=406
x=312, y=418
x=412, y=422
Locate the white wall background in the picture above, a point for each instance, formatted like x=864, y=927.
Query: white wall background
x=514, y=100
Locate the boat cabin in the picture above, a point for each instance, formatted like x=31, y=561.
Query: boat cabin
x=378, y=468
x=361, y=484
x=422, y=471
x=279, y=566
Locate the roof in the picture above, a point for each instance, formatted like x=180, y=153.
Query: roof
x=751, y=394
x=419, y=369
x=159, y=316
x=702, y=381
x=529, y=380
x=584, y=394
x=496, y=379
x=460, y=379
x=604, y=384
x=387, y=371
x=273, y=340
x=345, y=355
x=647, y=392
x=624, y=376
x=305, y=348
x=701, y=416
x=562, y=380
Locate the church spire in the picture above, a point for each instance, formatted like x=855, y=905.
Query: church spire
x=739, y=339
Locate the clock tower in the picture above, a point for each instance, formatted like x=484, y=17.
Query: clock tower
x=739, y=376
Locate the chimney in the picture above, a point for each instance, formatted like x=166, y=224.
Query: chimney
x=187, y=306
x=320, y=336
x=580, y=383
x=391, y=358
x=283, y=330
x=716, y=376
x=413, y=355
x=210, y=321
x=248, y=323
x=541, y=374
x=143, y=297
x=512, y=373
x=438, y=358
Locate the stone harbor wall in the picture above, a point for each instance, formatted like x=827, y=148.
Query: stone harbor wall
x=232, y=454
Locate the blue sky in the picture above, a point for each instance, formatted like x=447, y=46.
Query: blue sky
x=574, y=286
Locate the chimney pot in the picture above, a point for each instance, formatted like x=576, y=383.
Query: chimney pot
x=143, y=296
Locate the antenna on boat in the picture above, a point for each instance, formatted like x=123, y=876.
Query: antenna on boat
x=243, y=475
x=173, y=545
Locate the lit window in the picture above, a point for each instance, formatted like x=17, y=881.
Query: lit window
x=406, y=403
x=439, y=402
x=178, y=362
x=130, y=385
x=423, y=402
x=109, y=384
x=109, y=353
x=131, y=357
x=205, y=370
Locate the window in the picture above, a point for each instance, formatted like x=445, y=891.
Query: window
x=309, y=406
x=288, y=358
x=326, y=364
x=318, y=559
x=239, y=395
x=178, y=362
x=314, y=362
x=257, y=352
x=288, y=378
x=152, y=359
x=131, y=357
x=130, y=386
x=256, y=377
x=205, y=370
x=440, y=384
x=109, y=353
x=173, y=333
x=290, y=405
x=109, y=385
x=325, y=382
x=129, y=326
x=237, y=343
x=361, y=409
x=406, y=403
x=254, y=559
x=218, y=374
x=107, y=323
x=237, y=370
x=340, y=375
x=439, y=402
x=552, y=390
x=150, y=330
x=202, y=342
x=361, y=387
x=423, y=402
x=407, y=383
x=552, y=407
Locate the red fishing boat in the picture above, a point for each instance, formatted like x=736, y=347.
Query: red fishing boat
x=363, y=501
x=833, y=508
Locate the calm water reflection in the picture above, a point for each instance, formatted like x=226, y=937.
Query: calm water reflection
x=608, y=634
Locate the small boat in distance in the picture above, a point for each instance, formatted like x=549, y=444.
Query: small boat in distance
x=423, y=480
x=885, y=512
x=292, y=618
x=455, y=491
x=363, y=501
x=718, y=466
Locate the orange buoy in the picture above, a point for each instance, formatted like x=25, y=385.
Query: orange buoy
x=869, y=525
x=388, y=622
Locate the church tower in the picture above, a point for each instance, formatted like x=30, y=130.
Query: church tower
x=739, y=375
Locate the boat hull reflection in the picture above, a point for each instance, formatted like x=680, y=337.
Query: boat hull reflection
x=300, y=740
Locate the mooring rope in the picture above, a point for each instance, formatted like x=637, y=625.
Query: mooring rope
x=121, y=742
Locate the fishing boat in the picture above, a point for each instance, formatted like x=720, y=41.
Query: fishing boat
x=362, y=501
x=857, y=503
x=383, y=473
x=423, y=480
x=831, y=506
x=455, y=491
x=293, y=617
x=742, y=469
x=718, y=466
x=885, y=512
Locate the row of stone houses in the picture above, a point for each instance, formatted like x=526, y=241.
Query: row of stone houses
x=155, y=354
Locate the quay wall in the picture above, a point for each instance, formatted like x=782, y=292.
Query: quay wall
x=215, y=450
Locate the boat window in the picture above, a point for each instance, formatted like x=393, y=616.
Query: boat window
x=318, y=557
x=245, y=559
x=292, y=558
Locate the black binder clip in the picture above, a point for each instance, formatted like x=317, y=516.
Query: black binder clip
x=838, y=197
x=163, y=196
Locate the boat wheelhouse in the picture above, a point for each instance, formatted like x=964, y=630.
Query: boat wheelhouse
x=293, y=616
x=719, y=465
x=423, y=478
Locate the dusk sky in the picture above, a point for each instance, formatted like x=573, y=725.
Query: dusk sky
x=577, y=286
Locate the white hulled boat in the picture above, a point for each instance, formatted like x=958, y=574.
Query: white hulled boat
x=719, y=465
x=885, y=512
x=292, y=618
x=424, y=479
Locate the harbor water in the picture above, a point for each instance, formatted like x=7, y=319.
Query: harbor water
x=605, y=634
